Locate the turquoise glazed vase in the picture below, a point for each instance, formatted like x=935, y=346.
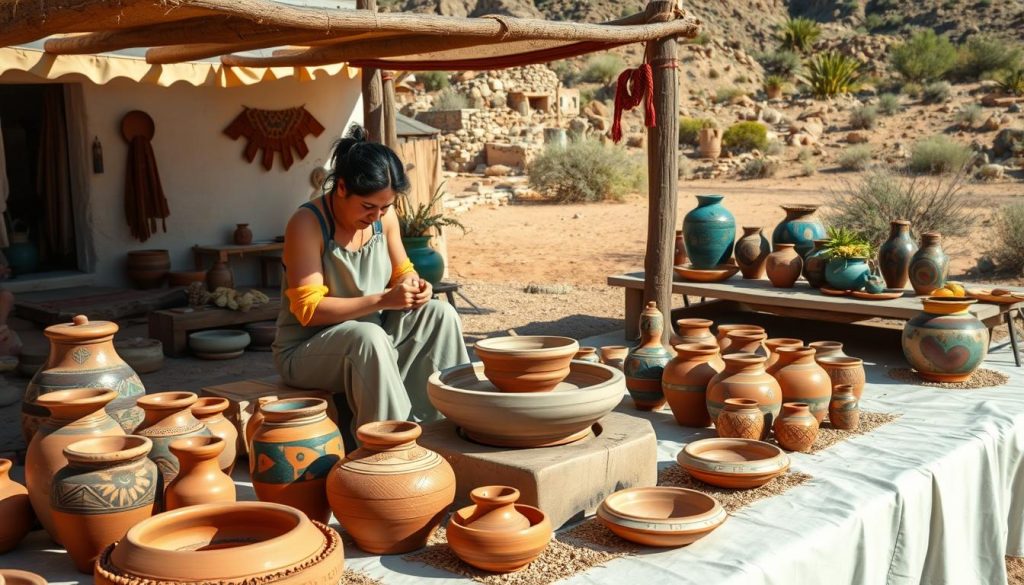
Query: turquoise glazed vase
x=847, y=273
x=646, y=362
x=814, y=265
x=709, y=232
x=929, y=266
x=945, y=342
x=799, y=228
x=427, y=261
x=895, y=254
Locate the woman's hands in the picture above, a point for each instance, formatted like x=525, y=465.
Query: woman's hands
x=410, y=293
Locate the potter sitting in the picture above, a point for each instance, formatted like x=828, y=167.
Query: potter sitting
x=359, y=321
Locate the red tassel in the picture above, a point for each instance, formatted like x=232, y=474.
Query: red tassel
x=634, y=86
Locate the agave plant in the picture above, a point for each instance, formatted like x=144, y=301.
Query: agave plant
x=831, y=73
x=799, y=34
x=418, y=220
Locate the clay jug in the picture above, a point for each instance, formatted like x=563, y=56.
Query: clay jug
x=210, y=412
x=614, y=355
x=644, y=364
x=391, y=493
x=709, y=232
x=693, y=331
x=108, y=486
x=796, y=429
x=168, y=417
x=741, y=419
x=82, y=356
x=929, y=266
x=723, y=333
x=685, y=382
x=200, y=479
x=752, y=252
x=497, y=534
x=496, y=510
x=745, y=341
x=772, y=346
x=799, y=228
x=844, y=409
x=218, y=276
x=709, y=143
x=744, y=377
x=256, y=420
x=74, y=415
x=824, y=348
x=292, y=454
x=895, y=254
x=679, y=252
x=844, y=370
x=784, y=266
x=815, y=263
x=945, y=342
x=803, y=380
x=242, y=235
x=15, y=509
x=587, y=354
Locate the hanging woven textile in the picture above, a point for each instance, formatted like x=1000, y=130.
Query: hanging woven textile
x=144, y=200
x=274, y=131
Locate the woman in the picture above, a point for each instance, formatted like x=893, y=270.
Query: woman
x=359, y=321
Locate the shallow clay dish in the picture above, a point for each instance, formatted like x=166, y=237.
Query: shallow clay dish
x=526, y=363
x=716, y=274
x=137, y=123
x=218, y=341
x=228, y=355
x=661, y=516
x=985, y=295
x=888, y=295
x=733, y=463
x=833, y=292
x=15, y=577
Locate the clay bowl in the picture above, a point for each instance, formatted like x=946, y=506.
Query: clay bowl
x=733, y=463
x=185, y=277
x=527, y=363
x=263, y=334
x=227, y=544
x=218, y=343
x=142, y=354
x=15, y=577
x=661, y=516
x=500, y=551
x=515, y=419
x=716, y=274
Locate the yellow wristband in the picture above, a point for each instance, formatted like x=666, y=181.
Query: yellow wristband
x=302, y=301
x=402, y=269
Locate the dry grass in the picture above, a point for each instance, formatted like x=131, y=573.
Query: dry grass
x=732, y=500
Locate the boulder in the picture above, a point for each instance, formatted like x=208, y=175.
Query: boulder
x=991, y=172
x=1008, y=141
x=857, y=138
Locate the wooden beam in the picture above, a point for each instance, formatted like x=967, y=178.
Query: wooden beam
x=181, y=53
x=204, y=29
x=373, y=89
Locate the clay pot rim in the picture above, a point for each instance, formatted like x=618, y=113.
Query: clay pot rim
x=76, y=397
x=709, y=196
x=696, y=348
x=797, y=350
x=293, y=409
x=747, y=335
x=774, y=459
x=171, y=400
x=5, y=465
x=208, y=406
x=539, y=522
x=752, y=227
x=840, y=360
x=694, y=322
x=494, y=494
x=808, y=207
x=201, y=446
x=782, y=246
x=608, y=374
x=27, y=577
x=709, y=506
x=947, y=305
x=389, y=432
x=511, y=346
x=108, y=450
x=729, y=327
x=796, y=406
x=931, y=235
x=900, y=222
x=604, y=347
x=748, y=359
x=828, y=344
x=775, y=342
x=587, y=350
x=846, y=388
x=81, y=329
x=741, y=402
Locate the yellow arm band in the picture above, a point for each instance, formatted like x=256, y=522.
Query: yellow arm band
x=302, y=301
x=402, y=269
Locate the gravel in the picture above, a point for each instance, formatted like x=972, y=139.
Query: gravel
x=732, y=500
x=981, y=378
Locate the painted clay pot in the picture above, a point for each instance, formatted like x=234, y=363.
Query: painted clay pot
x=733, y=463
x=709, y=231
x=827, y=348
x=709, y=143
x=526, y=363
x=814, y=264
x=210, y=412
x=242, y=235
x=847, y=273
x=679, y=255
x=15, y=509
x=292, y=454
x=168, y=417
x=741, y=419
x=722, y=334
x=844, y=409
x=944, y=342
x=772, y=346
x=391, y=493
x=803, y=380
x=82, y=356
x=746, y=341
x=796, y=428
x=645, y=363
x=16, y=577
x=894, y=255
x=219, y=275
x=783, y=266
x=497, y=534
x=929, y=266
x=685, y=382
x=744, y=377
x=200, y=479
x=693, y=331
x=752, y=252
x=587, y=354
x=844, y=370
x=256, y=420
x=243, y=543
x=800, y=228
x=74, y=415
x=108, y=486
x=614, y=355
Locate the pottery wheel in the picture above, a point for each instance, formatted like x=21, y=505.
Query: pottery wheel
x=491, y=441
x=219, y=356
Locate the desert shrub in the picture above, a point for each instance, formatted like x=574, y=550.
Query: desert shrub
x=703, y=39
x=689, y=129
x=781, y=62
x=912, y=89
x=759, y=168
x=585, y=171
x=864, y=117
x=936, y=92
x=745, y=136
x=808, y=168
x=774, y=82
x=938, y=155
x=603, y=68
x=433, y=80
x=805, y=155
x=565, y=72
x=873, y=22
x=855, y=158
x=983, y=55
x=1007, y=248
x=970, y=116
x=741, y=79
x=684, y=167
x=831, y=73
x=724, y=95
x=888, y=104
x=799, y=34
x=925, y=57
x=774, y=148
x=1012, y=82
x=449, y=99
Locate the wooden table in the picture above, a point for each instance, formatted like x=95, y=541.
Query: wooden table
x=224, y=252
x=172, y=326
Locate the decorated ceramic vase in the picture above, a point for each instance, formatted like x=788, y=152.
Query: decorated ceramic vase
x=744, y=377
x=844, y=409
x=210, y=411
x=108, y=486
x=746, y=341
x=200, y=479
x=783, y=266
x=685, y=382
x=587, y=354
x=391, y=493
x=15, y=509
x=843, y=370
x=679, y=251
x=752, y=251
x=814, y=264
x=709, y=231
x=773, y=345
x=722, y=334
x=847, y=273
x=945, y=342
x=741, y=418
x=82, y=356
x=803, y=380
x=74, y=415
x=614, y=355
x=168, y=417
x=644, y=364
x=796, y=429
x=800, y=228
x=496, y=533
x=895, y=254
x=292, y=454
x=824, y=348
x=929, y=266
x=693, y=331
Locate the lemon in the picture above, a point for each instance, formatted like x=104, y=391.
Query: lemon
x=943, y=292
x=956, y=287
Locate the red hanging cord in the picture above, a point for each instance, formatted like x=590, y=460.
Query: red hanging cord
x=634, y=86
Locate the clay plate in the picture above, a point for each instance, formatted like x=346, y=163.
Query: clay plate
x=716, y=274
x=888, y=295
x=985, y=295
x=137, y=123
x=833, y=292
x=218, y=341
x=733, y=463
x=661, y=516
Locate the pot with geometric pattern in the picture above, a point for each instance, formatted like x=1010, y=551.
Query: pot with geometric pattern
x=168, y=417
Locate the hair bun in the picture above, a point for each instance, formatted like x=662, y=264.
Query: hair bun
x=357, y=133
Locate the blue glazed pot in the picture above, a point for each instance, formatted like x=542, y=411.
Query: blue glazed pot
x=945, y=342
x=799, y=228
x=847, y=273
x=875, y=284
x=427, y=261
x=709, y=232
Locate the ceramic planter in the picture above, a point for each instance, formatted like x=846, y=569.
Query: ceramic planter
x=800, y=228
x=744, y=377
x=733, y=463
x=646, y=362
x=844, y=370
x=847, y=273
x=929, y=266
x=497, y=534
x=895, y=254
x=15, y=509
x=945, y=342
x=587, y=354
x=709, y=231
x=814, y=264
x=200, y=479
x=685, y=382
x=746, y=341
x=527, y=363
x=784, y=265
x=168, y=417
x=722, y=334
x=772, y=346
x=693, y=331
x=661, y=516
x=796, y=429
x=741, y=419
x=429, y=264
x=752, y=252
x=210, y=412
x=844, y=409
x=803, y=380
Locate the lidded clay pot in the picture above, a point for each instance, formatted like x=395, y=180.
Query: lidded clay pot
x=200, y=479
x=744, y=377
x=646, y=362
x=391, y=493
x=168, y=417
x=15, y=509
x=746, y=341
x=723, y=333
x=685, y=382
x=693, y=331
x=741, y=419
x=496, y=533
x=844, y=408
x=796, y=428
x=772, y=345
x=844, y=370
x=210, y=412
x=803, y=380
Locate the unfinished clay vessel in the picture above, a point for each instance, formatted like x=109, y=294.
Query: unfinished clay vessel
x=693, y=331
x=746, y=341
x=733, y=463
x=496, y=533
x=803, y=380
x=844, y=409
x=722, y=334
x=614, y=355
x=527, y=363
x=752, y=251
x=200, y=479
x=391, y=493
x=772, y=346
x=784, y=266
x=646, y=361
x=210, y=412
x=661, y=516
x=685, y=382
x=15, y=509
x=741, y=418
x=744, y=377
x=168, y=417
x=826, y=348
x=796, y=428
x=842, y=370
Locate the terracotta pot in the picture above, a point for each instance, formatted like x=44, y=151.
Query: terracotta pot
x=751, y=252
x=168, y=417
x=844, y=408
x=15, y=509
x=741, y=418
x=772, y=345
x=614, y=355
x=802, y=379
x=243, y=543
x=800, y=228
x=391, y=493
x=107, y=487
x=685, y=382
x=784, y=266
x=292, y=454
x=746, y=341
x=74, y=415
x=945, y=342
x=148, y=268
x=815, y=263
x=773, y=92
x=210, y=412
x=646, y=361
x=693, y=331
x=15, y=577
x=895, y=254
x=744, y=377
x=527, y=363
x=929, y=266
x=843, y=370
x=262, y=334
x=242, y=235
x=723, y=333
x=254, y=422
x=219, y=275
x=826, y=348
x=679, y=255
x=587, y=354
x=497, y=534
x=200, y=479
x=82, y=355
x=796, y=428
x=709, y=143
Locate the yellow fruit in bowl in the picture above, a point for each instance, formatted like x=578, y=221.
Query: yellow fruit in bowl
x=956, y=287
x=943, y=292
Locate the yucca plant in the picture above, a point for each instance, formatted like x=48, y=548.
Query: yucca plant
x=831, y=73
x=1012, y=83
x=418, y=220
x=774, y=85
x=799, y=34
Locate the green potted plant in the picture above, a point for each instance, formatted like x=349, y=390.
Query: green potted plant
x=418, y=224
x=848, y=253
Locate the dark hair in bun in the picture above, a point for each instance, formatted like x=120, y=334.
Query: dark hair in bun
x=365, y=167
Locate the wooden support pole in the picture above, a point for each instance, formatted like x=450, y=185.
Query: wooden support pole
x=390, y=112
x=373, y=91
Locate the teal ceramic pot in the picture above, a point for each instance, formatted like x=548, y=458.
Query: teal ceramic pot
x=895, y=254
x=814, y=265
x=847, y=273
x=874, y=285
x=929, y=266
x=709, y=232
x=799, y=228
x=945, y=342
x=645, y=363
x=427, y=261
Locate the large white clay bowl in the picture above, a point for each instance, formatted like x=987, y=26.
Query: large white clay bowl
x=526, y=363
x=526, y=419
x=733, y=463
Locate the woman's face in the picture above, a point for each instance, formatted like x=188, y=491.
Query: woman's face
x=359, y=211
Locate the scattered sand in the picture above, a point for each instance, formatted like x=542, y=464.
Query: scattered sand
x=981, y=378
x=732, y=500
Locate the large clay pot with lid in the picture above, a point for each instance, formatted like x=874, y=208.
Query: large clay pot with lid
x=746, y=341
x=725, y=329
x=709, y=231
x=148, y=268
x=646, y=362
x=744, y=377
x=391, y=493
x=799, y=228
x=693, y=331
x=741, y=419
x=784, y=266
x=200, y=479
x=210, y=411
x=772, y=346
x=82, y=355
x=815, y=263
x=15, y=509
x=168, y=417
x=108, y=486
x=685, y=382
x=496, y=533
x=802, y=379
x=796, y=429
x=945, y=342
x=74, y=415
x=752, y=251
x=929, y=266
x=292, y=454
x=844, y=370
x=894, y=255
